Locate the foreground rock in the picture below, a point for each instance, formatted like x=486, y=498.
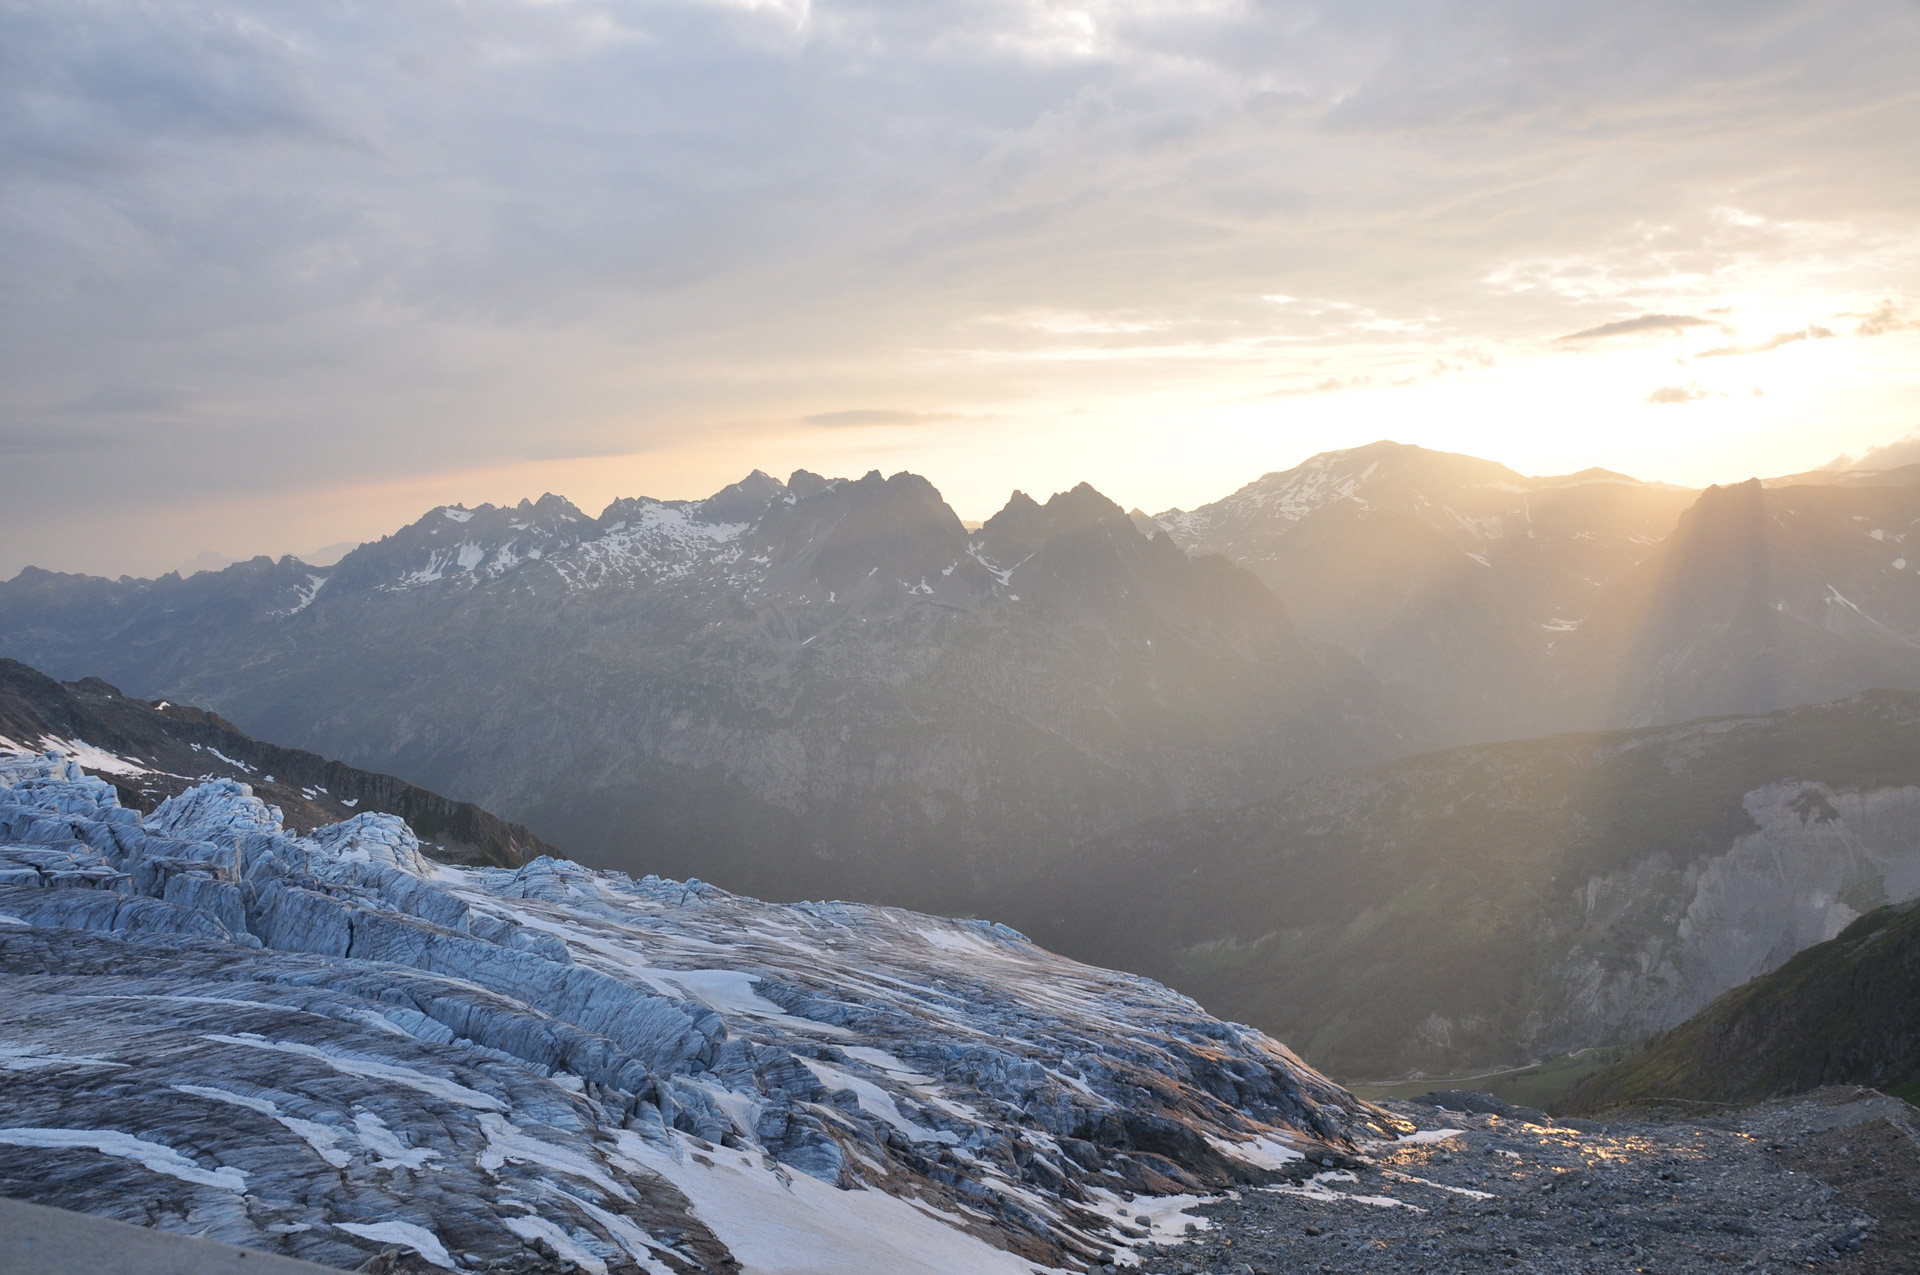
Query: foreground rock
x=332, y=1048
x=1829, y=1181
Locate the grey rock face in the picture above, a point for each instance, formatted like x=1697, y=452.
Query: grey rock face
x=329, y=1046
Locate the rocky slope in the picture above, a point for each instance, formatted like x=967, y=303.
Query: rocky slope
x=1483, y=906
x=804, y=689
x=1453, y=579
x=150, y=752
x=1827, y=1182
x=330, y=1046
x=1846, y=1011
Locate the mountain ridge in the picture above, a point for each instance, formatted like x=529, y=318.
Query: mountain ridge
x=822, y=686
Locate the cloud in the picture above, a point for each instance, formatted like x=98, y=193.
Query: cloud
x=1645, y=323
x=1902, y=451
x=384, y=239
x=48, y=441
x=875, y=416
x=1812, y=333
x=1885, y=318
x=1678, y=394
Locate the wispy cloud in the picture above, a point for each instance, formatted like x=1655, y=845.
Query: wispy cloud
x=1811, y=333
x=876, y=416
x=1633, y=327
x=1679, y=394
x=1886, y=317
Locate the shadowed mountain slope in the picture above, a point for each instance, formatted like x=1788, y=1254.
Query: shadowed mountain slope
x=1487, y=905
x=1762, y=598
x=150, y=752
x=1452, y=578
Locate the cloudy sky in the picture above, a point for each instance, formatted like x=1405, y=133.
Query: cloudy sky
x=273, y=276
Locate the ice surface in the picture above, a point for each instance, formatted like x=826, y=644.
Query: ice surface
x=335, y=1023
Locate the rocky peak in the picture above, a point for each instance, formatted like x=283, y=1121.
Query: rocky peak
x=846, y=533
x=1024, y=525
x=805, y=483
x=743, y=501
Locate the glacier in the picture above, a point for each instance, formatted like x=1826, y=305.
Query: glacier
x=332, y=1047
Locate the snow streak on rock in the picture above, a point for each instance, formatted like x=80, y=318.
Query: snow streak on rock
x=330, y=1046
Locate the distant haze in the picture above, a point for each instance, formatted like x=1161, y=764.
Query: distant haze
x=278, y=276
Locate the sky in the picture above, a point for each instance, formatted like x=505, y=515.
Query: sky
x=275, y=276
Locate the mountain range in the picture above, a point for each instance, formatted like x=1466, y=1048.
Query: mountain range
x=1167, y=743
x=1455, y=580
x=817, y=687
x=1497, y=606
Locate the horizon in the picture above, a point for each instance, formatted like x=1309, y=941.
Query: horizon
x=1900, y=451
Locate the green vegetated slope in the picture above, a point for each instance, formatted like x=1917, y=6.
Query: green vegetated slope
x=1490, y=905
x=1846, y=1011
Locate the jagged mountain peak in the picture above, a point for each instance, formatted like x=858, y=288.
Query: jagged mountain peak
x=743, y=501
x=1019, y=528
x=464, y=546
x=804, y=483
x=845, y=534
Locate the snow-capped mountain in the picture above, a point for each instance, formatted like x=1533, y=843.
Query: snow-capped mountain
x=817, y=687
x=1453, y=579
x=331, y=1047
x=466, y=545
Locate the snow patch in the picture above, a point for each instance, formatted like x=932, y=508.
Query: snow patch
x=372, y=1068
x=77, y=750
x=1262, y=1152
x=795, y=1225
x=564, y=1246
x=324, y=1140
x=149, y=1155
x=405, y=1234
